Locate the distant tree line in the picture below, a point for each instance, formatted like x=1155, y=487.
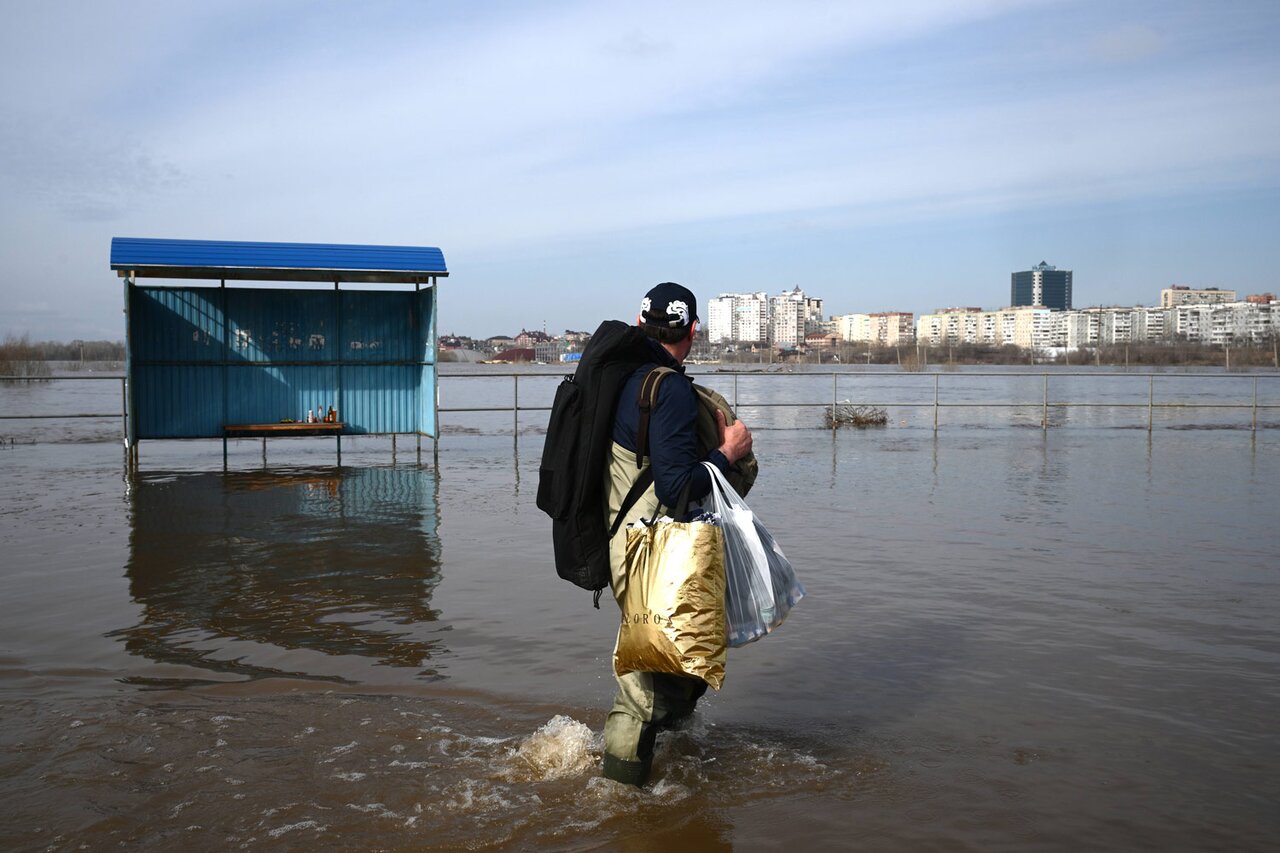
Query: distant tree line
x=1176, y=352
x=911, y=356
x=76, y=350
x=20, y=356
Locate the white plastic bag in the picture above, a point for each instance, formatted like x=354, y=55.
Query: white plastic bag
x=761, y=586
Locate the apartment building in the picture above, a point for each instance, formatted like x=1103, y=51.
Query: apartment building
x=1148, y=323
x=738, y=318
x=853, y=327
x=955, y=325
x=1029, y=326
x=1213, y=324
x=787, y=314
x=888, y=328
x=1221, y=325
x=1181, y=294
x=757, y=318
x=813, y=316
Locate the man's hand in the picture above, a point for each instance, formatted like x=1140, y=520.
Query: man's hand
x=735, y=440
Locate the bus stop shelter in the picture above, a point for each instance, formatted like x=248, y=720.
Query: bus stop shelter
x=252, y=358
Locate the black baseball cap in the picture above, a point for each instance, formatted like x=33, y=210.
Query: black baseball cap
x=669, y=306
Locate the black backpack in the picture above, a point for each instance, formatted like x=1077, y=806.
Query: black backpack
x=571, y=479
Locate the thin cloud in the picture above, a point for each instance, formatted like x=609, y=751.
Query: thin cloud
x=1128, y=43
x=552, y=130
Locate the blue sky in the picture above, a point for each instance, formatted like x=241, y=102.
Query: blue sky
x=567, y=156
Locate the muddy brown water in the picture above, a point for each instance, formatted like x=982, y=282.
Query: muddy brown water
x=1012, y=641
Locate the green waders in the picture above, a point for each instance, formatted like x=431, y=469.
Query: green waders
x=647, y=702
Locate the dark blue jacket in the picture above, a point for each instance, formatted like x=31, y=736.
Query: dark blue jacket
x=673, y=436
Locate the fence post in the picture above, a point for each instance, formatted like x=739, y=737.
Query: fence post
x=834, y=377
x=1044, y=412
x=936, y=377
x=1255, y=404
x=1151, y=396
x=515, y=408
x=735, y=392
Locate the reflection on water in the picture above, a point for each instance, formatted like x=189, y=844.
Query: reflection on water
x=233, y=572
x=1014, y=640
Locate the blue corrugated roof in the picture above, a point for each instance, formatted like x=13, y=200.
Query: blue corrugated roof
x=223, y=259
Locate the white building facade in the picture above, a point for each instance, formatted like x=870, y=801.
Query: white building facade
x=1027, y=326
x=1180, y=294
x=757, y=318
x=813, y=318
x=738, y=318
x=787, y=314
x=1218, y=324
x=886, y=329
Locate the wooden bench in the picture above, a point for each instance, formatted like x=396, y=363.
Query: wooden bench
x=273, y=430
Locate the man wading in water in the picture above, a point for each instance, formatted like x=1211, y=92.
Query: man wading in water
x=648, y=702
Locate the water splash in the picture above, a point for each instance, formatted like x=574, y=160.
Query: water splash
x=562, y=748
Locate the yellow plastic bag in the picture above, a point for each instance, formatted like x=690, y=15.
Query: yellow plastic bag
x=673, y=601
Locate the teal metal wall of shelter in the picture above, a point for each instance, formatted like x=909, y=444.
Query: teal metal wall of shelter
x=201, y=358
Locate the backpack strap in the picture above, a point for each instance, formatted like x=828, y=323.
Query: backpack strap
x=638, y=488
x=648, y=400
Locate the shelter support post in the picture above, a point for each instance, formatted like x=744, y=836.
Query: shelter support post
x=339, y=336
x=226, y=358
x=130, y=413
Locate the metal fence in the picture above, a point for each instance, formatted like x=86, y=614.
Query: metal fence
x=1044, y=403
x=122, y=414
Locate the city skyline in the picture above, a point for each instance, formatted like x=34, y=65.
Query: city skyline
x=567, y=156
x=1198, y=316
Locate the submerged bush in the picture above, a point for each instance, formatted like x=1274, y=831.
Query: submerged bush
x=848, y=414
x=19, y=358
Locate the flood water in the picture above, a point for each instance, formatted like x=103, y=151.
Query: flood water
x=1013, y=639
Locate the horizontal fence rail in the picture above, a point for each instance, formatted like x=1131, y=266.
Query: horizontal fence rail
x=122, y=414
x=937, y=404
